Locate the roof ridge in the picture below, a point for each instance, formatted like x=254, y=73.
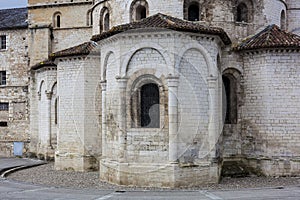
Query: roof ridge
x=270, y=37
x=14, y=8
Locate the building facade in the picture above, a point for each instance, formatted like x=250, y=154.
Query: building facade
x=164, y=93
x=14, y=101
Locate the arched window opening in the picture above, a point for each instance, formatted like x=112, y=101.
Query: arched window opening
x=230, y=86
x=106, y=22
x=140, y=12
x=193, y=12
x=282, y=20
x=242, y=13
x=89, y=18
x=149, y=106
x=55, y=111
x=57, y=20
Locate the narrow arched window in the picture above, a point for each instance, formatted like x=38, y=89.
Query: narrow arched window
x=282, y=20
x=149, y=106
x=193, y=12
x=230, y=86
x=55, y=111
x=138, y=10
x=57, y=20
x=89, y=18
x=242, y=13
x=104, y=20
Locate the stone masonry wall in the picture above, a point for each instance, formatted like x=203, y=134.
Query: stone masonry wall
x=14, y=60
x=120, y=11
x=45, y=38
x=293, y=15
x=271, y=112
x=68, y=37
x=273, y=10
x=43, y=95
x=152, y=56
x=79, y=135
x=213, y=12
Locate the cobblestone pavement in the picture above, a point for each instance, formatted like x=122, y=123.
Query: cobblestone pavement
x=46, y=175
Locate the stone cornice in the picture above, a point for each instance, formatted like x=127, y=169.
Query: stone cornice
x=150, y=34
x=59, y=5
x=279, y=50
x=79, y=57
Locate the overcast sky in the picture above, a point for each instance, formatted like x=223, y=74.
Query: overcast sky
x=12, y=3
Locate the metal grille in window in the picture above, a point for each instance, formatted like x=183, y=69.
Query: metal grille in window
x=2, y=77
x=3, y=106
x=3, y=41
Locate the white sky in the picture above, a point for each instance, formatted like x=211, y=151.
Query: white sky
x=12, y=3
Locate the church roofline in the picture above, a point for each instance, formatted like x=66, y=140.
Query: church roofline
x=79, y=50
x=45, y=63
x=164, y=21
x=271, y=37
x=59, y=5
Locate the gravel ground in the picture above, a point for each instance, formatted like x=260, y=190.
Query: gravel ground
x=46, y=175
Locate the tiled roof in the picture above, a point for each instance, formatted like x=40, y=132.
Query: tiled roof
x=82, y=49
x=271, y=37
x=164, y=21
x=13, y=18
x=43, y=64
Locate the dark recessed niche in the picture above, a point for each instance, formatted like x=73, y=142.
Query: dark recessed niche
x=3, y=124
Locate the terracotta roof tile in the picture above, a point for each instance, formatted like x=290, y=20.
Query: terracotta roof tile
x=271, y=37
x=82, y=49
x=164, y=21
x=13, y=18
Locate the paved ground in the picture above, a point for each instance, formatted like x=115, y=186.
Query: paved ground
x=90, y=180
x=10, y=163
x=10, y=190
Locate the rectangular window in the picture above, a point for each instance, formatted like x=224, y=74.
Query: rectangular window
x=3, y=124
x=2, y=77
x=4, y=106
x=3, y=42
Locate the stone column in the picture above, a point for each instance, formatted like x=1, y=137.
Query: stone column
x=48, y=120
x=173, y=117
x=103, y=120
x=122, y=82
x=213, y=127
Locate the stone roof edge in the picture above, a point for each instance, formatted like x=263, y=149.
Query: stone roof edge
x=45, y=63
x=58, y=5
x=279, y=49
x=83, y=49
x=116, y=30
x=14, y=27
x=68, y=55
